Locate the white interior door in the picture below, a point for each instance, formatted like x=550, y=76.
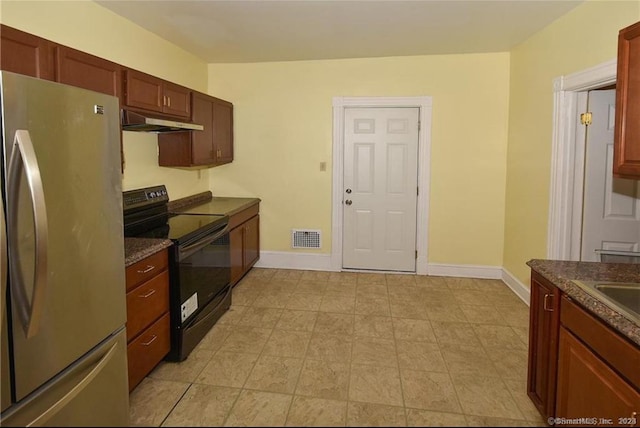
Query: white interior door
x=611, y=213
x=380, y=188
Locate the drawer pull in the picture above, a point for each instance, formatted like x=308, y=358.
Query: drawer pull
x=151, y=341
x=144, y=296
x=148, y=269
x=544, y=303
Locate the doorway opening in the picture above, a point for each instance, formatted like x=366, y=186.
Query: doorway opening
x=611, y=205
x=567, y=200
x=340, y=105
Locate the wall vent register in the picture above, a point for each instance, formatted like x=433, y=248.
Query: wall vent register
x=306, y=238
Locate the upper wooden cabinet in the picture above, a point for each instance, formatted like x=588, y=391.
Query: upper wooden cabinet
x=223, y=131
x=627, y=127
x=87, y=71
x=26, y=54
x=146, y=92
x=211, y=147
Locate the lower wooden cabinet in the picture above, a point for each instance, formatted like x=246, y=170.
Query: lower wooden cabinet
x=598, y=370
x=579, y=367
x=543, y=344
x=244, y=240
x=148, y=329
x=589, y=388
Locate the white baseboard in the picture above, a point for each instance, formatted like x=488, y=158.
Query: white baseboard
x=465, y=271
x=291, y=260
x=314, y=261
x=521, y=290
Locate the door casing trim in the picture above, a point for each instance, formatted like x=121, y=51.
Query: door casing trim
x=424, y=103
x=567, y=159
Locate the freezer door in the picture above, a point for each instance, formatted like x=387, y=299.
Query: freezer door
x=64, y=224
x=92, y=392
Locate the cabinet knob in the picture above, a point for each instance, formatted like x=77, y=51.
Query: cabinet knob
x=164, y=100
x=545, y=306
x=169, y=101
x=348, y=202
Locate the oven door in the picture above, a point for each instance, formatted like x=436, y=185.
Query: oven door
x=204, y=271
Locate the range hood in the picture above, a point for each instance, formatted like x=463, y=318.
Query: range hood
x=140, y=122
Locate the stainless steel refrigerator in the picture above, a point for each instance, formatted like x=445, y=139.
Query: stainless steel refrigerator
x=63, y=305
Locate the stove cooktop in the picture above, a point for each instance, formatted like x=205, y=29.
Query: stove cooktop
x=184, y=228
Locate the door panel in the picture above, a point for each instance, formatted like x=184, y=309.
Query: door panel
x=611, y=215
x=380, y=180
x=364, y=230
x=364, y=167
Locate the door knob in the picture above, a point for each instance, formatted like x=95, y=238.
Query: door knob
x=348, y=202
x=348, y=190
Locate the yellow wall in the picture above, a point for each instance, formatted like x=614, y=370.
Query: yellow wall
x=86, y=26
x=283, y=130
x=585, y=37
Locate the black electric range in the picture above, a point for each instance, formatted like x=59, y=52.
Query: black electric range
x=199, y=263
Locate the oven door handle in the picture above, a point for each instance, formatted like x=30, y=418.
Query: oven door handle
x=188, y=250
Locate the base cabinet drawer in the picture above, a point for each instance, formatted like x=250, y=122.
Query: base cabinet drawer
x=147, y=350
x=146, y=269
x=148, y=330
x=147, y=303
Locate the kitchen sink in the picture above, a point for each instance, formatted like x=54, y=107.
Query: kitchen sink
x=621, y=296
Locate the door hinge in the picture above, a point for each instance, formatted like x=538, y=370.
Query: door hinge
x=586, y=118
x=418, y=191
x=416, y=254
x=418, y=125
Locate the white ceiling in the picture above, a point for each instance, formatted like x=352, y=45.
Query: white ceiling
x=254, y=31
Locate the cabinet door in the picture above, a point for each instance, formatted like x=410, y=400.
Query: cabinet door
x=588, y=387
x=223, y=131
x=143, y=91
x=24, y=53
x=176, y=100
x=543, y=344
x=627, y=126
x=236, y=247
x=202, y=141
x=86, y=71
x=251, y=242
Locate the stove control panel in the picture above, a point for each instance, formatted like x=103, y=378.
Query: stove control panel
x=144, y=197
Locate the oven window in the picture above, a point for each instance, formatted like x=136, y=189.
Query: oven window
x=203, y=272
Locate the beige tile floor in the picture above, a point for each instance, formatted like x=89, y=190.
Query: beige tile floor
x=308, y=348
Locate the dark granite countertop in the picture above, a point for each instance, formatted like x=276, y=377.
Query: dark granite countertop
x=206, y=203
x=560, y=273
x=136, y=249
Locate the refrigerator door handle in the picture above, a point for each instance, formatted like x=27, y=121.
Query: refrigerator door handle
x=77, y=389
x=29, y=313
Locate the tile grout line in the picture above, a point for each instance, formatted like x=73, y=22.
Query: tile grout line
x=304, y=360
